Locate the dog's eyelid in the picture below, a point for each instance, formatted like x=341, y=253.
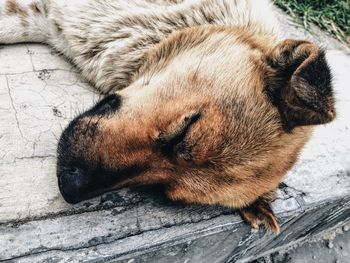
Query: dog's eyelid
x=172, y=141
x=179, y=131
x=107, y=105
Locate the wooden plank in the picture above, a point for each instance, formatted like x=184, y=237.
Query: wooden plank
x=220, y=238
x=34, y=108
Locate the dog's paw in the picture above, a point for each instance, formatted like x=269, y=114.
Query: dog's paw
x=260, y=214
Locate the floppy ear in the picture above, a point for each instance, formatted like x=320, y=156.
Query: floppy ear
x=300, y=85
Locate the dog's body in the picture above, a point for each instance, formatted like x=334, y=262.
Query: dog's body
x=114, y=36
x=207, y=101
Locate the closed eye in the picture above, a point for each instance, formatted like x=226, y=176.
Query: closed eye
x=107, y=105
x=171, y=142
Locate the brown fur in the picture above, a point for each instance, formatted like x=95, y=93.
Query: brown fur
x=238, y=133
x=13, y=8
x=203, y=97
x=34, y=8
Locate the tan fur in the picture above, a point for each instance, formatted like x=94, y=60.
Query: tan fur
x=235, y=175
x=206, y=100
x=235, y=154
x=13, y=8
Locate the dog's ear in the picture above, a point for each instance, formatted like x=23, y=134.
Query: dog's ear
x=300, y=84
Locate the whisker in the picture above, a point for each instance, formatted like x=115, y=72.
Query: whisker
x=54, y=135
x=61, y=127
x=199, y=64
x=96, y=125
x=88, y=125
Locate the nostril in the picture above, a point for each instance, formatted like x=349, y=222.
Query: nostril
x=73, y=184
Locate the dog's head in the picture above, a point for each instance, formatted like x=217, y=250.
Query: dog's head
x=210, y=108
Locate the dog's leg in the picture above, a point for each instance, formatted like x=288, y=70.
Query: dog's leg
x=23, y=21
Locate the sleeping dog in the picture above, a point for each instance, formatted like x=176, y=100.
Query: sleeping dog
x=202, y=97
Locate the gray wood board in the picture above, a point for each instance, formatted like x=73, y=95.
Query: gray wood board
x=191, y=236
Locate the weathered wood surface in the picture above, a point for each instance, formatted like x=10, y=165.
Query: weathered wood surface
x=40, y=93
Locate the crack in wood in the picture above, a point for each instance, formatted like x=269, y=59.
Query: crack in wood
x=13, y=107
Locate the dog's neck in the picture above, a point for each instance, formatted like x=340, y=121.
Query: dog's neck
x=140, y=33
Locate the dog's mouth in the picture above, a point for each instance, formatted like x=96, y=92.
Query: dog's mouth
x=79, y=182
x=76, y=186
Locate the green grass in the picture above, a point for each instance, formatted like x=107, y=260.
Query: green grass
x=330, y=15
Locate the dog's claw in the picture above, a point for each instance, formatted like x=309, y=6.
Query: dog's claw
x=260, y=214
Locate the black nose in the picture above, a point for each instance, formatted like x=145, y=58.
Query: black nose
x=77, y=184
x=73, y=184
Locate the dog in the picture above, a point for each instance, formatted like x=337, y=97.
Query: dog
x=202, y=97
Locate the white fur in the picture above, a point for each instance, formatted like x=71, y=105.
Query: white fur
x=106, y=39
